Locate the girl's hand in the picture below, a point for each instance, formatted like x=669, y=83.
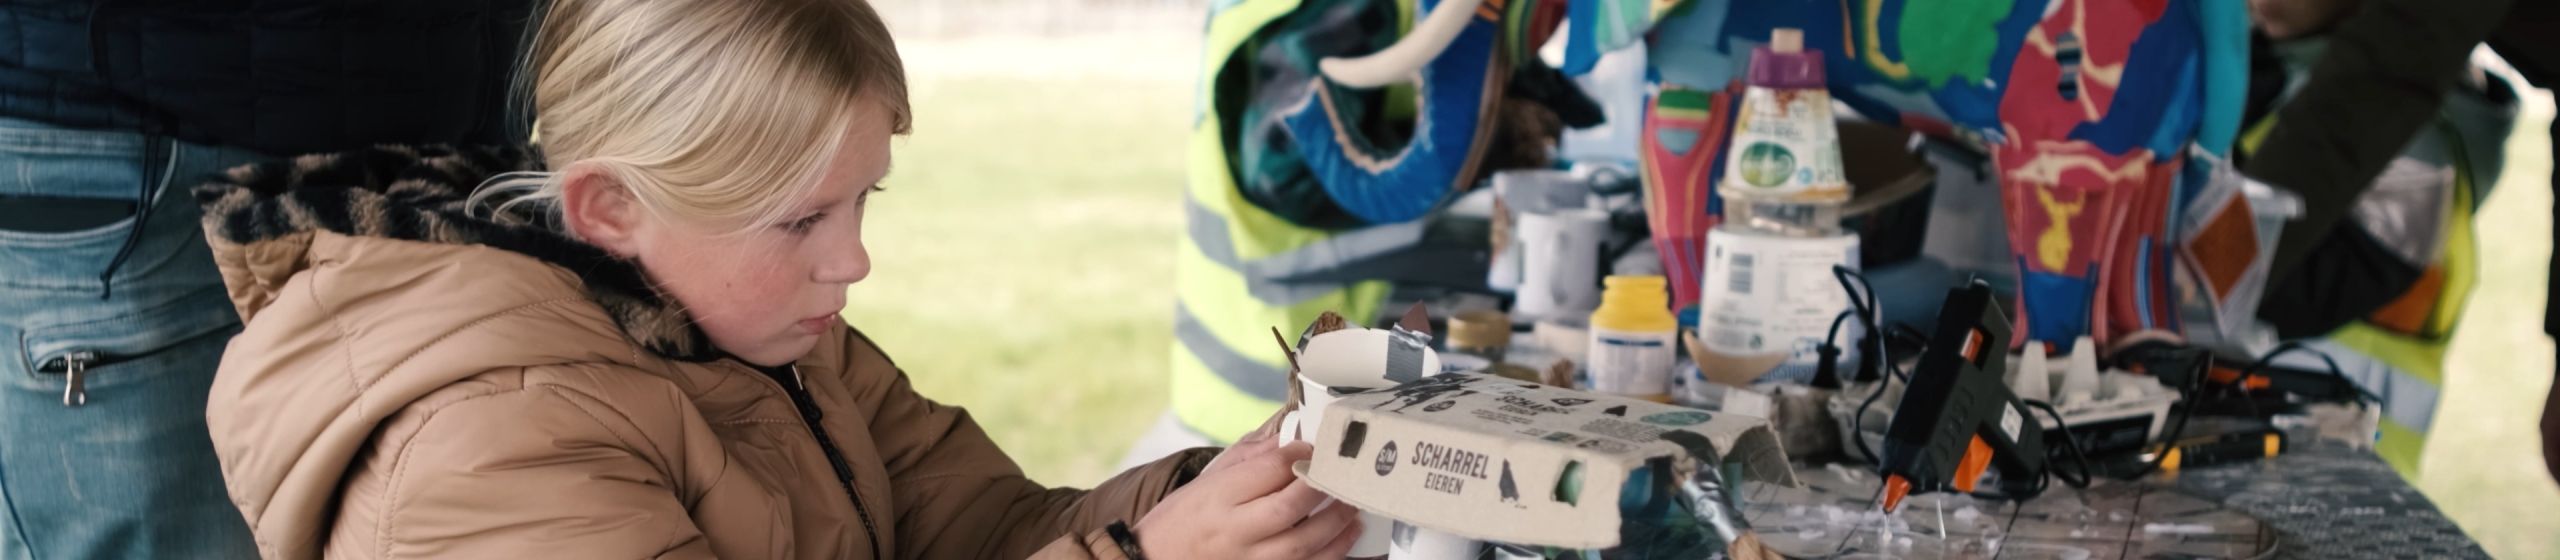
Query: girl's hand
x=1248, y=505
x=1254, y=443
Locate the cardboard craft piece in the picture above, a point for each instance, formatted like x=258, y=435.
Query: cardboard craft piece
x=1501, y=460
x=1334, y=354
x=1367, y=359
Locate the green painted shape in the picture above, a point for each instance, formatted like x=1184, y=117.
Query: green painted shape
x=1950, y=38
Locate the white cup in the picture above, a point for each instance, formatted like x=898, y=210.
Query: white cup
x=1307, y=424
x=1529, y=191
x=1560, y=263
x=1416, y=543
x=1540, y=191
x=1375, y=539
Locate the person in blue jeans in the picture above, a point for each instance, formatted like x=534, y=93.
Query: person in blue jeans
x=112, y=315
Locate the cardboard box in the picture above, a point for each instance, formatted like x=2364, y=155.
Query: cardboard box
x=1506, y=461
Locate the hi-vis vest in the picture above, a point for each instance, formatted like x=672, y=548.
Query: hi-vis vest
x=2398, y=351
x=1242, y=271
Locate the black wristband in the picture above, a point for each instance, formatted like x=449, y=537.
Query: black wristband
x=1127, y=540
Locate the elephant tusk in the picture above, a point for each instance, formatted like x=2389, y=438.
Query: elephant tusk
x=1403, y=60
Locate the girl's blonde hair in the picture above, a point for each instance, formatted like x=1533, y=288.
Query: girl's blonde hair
x=715, y=112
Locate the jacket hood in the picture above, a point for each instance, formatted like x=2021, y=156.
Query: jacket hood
x=420, y=194
x=365, y=286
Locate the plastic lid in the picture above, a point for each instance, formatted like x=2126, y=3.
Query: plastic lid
x=1650, y=291
x=1786, y=40
x=1635, y=282
x=1784, y=63
x=1482, y=328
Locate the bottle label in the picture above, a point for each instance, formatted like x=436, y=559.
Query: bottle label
x=1631, y=363
x=1786, y=148
x=1767, y=294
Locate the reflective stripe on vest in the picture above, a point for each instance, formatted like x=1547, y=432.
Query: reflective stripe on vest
x=2407, y=370
x=1234, y=272
x=1270, y=278
x=2409, y=396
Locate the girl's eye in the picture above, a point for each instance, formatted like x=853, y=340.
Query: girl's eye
x=803, y=225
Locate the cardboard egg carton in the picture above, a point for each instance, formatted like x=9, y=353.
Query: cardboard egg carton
x=1500, y=460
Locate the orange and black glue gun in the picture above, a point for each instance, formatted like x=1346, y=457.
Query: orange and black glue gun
x=1958, y=416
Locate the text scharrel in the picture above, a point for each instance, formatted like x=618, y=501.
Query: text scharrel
x=1448, y=459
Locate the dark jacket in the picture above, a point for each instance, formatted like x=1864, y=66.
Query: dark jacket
x=2388, y=69
x=283, y=77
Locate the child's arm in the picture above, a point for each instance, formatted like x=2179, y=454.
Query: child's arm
x=537, y=470
x=959, y=496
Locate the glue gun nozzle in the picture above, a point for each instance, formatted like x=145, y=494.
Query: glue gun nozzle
x=1895, y=488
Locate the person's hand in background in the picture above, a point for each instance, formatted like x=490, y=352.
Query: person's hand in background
x=2551, y=431
x=1248, y=504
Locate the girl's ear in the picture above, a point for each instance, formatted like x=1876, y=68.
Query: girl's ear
x=600, y=211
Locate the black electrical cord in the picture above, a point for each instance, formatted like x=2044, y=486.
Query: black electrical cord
x=1906, y=332
x=2068, y=442
x=2193, y=391
x=1893, y=370
x=1862, y=299
x=1858, y=422
x=2269, y=359
x=1862, y=304
x=1833, y=339
x=2178, y=427
x=1826, y=371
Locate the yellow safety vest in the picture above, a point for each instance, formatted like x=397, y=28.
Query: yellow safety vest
x=1242, y=271
x=2403, y=362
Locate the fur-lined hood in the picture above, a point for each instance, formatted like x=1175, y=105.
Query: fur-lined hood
x=418, y=194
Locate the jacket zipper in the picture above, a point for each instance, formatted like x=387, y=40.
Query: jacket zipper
x=797, y=390
x=74, y=367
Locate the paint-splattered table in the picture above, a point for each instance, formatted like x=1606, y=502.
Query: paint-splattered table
x=2319, y=500
x=2326, y=500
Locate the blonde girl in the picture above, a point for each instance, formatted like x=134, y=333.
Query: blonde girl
x=627, y=344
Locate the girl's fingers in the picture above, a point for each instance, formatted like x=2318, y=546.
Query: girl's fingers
x=1315, y=535
x=1254, y=477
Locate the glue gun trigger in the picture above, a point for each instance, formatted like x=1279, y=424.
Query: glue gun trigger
x=1977, y=458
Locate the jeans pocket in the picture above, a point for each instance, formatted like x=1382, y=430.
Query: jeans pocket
x=57, y=163
x=103, y=355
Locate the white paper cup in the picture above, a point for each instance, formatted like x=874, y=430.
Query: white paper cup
x=1416, y=543
x=1560, y=265
x=1307, y=424
x=1540, y=190
x=1376, y=538
x=1309, y=416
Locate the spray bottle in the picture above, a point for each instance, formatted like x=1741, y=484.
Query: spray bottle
x=1769, y=297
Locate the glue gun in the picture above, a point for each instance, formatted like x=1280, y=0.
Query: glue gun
x=1957, y=416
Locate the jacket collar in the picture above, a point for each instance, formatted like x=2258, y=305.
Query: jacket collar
x=421, y=193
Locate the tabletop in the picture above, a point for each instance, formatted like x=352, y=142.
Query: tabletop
x=2318, y=500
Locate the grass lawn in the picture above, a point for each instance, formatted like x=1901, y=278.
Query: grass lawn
x=1023, y=253
x=1024, y=270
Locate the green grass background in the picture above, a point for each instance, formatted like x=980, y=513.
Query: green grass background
x=1024, y=270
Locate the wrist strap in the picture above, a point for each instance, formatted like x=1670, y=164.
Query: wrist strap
x=1128, y=541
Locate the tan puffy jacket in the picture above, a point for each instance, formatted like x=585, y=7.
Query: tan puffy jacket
x=416, y=382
